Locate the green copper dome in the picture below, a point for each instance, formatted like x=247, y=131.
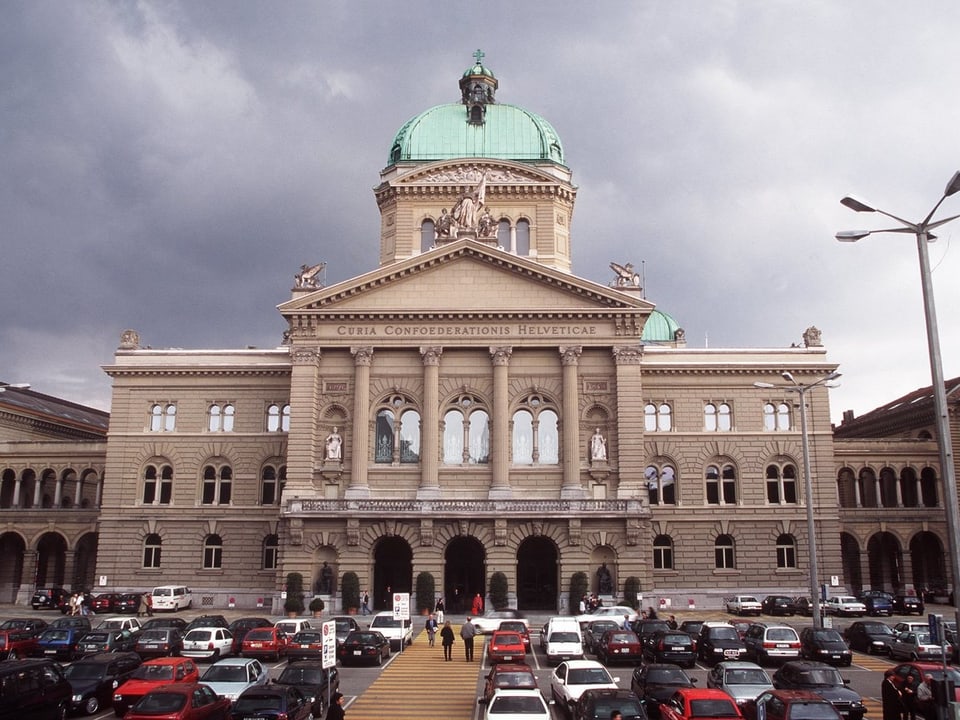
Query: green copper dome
x=659, y=327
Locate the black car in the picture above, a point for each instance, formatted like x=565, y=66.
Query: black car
x=805, y=606
x=644, y=628
x=78, y=622
x=594, y=630
x=825, y=681
x=869, y=636
x=50, y=598
x=345, y=625
x=877, y=602
x=241, y=626
x=127, y=602
x=656, y=684
x=719, y=641
x=906, y=604
x=364, y=646
x=102, y=641
x=34, y=689
x=825, y=645
x=778, y=605
x=158, y=642
x=94, y=678
x=272, y=701
x=207, y=621
x=672, y=646
x=691, y=628
x=165, y=622
x=597, y=704
x=310, y=677
x=33, y=625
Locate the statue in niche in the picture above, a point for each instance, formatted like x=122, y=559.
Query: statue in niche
x=444, y=224
x=487, y=226
x=334, y=445
x=604, y=580
x=598, y=447
x=325, y=583
x=466, y=211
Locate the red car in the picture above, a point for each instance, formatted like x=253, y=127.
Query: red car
x=16, y=644
x=267, y=642
x=517, y=626
x=699, y=703
x=790, y=705
x=506, y=646
x=181, y=701
x=917, y=670
x=104, y=602
x=305, y=645
x=619, y=646
x=152, y=674
x=510, y=677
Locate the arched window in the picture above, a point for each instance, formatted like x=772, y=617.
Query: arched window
x=278, y=418
x=523, y=237
x=503, y=234
x=152, y=545
x=786, y=551
x=397, y=431
x=663, y=552
x=220, y=418
x=157, y=485
x=657, y=417
x=661, y=484
x=721, y=485
x=428, y=235
x=466, y=432
x=272, y=480
x=212, y=552
x=776, y=416
x=163, y=417
x=717, y=417
x=271, y=548
x=723, y=550
x=536, y=438
x=928, y=487
x=781, y=484
x=217, y=485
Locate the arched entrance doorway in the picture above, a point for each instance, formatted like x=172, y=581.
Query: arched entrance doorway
x=885, y=558
x=926, y=557
x=12, y=548
x=392, y=571
x=537, y=579
x=51, y=560
x=850, y=558
x=464, y=573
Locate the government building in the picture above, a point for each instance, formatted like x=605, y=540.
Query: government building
x=471, y=406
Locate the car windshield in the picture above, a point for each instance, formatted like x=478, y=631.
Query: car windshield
x=160, y=703
x=302, y=675
x=52, y=635
x=308, y=637
x=827, y=636
x=199, y=635
x=676, y=639
x=517, y=705
x=598, y=627
x=588, y=676
x=508, y=638
x=110, y=625
x=623, y=637
x=344, y=626
x=746, y=676
x=154, y=673
x=96, y=637
x=811, y=711
x=825, y=676
x=626, y=706
x=877, y=629
x=382, y=621
x=515, y=680
x=225, y=673
x=156, y=635
x=247, y=703
x=713, y=708
x=564, y=637
x=363, y=637
x=259, y=635
x=83, y=671
x=782, y=634
x=514, y=625
x=724, y=633
x=667, y=676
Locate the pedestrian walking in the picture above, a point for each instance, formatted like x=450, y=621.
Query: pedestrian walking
x=909, y=696
x=431, y=627
x=468, y=632
x=365, y=605
x=142, y=606
x=477, y=607
x=892, y=702
x=439, y=609
x=446, y=639
x=335, y=711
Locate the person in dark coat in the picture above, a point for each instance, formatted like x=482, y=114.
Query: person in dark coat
x=892, y=704
x=335, y=711
x=446, y=639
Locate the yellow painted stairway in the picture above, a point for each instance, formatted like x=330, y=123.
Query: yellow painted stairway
x=420, y=685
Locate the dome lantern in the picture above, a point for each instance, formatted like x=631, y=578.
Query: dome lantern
x=478, y=88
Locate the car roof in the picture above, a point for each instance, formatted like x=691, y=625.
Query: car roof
x=583, y=664
x=737, y=665
x=168, y=661
x=234, y=661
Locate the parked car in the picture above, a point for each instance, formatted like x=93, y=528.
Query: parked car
x=100, y=641
x=594, y=630
x=291, y=626
x=49, y=598
x=128, y=602
x=743, y=681
x=916, y=671
x=512, y=676
x=719, y=641
x=94, y=679
x=655, y=684
x=16, y=644
x=129, y=626
x=743, y=605
x=619, y=646
x=805, y=606
x=823, y=680
x=310, y=678
x=505, y=646
x=306, y=645
x=913, y=646
x=617, y=613
x=840, y=605
x=33, y=625
x=644, y=628
x=104, y=602
x=486, y=624
x=519, y=627
x=596, y=704
x=789, y=705
x=165, y=622
x=691, y=628
x=906, y=604
x=560, y=640
x=274, y=701
x=871, y=637
x=826, y=645
x=268, y=642
x=60, y=643
x=345, y=625
x=699, y=703
x=911, y=626
x=207, y=642
x=34, y=689
x=768, y=643
x=364, y=646
x=159, y=642
x=672, y=646
x=79, y=622
x=877, y=602
x=241, y=626
x=513, y=704
x=231, y=676
x=396, y=631
x=207, y=621
x=571, y=678
x=778, y=605
x=151, y=675
x=180, y=701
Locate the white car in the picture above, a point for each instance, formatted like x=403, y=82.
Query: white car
x=207, y=642
x=231, y=676
x=845, y=605
x=609, y=612
x=569, y=681
x=130, y=625
x=396, y=631
x=486, y=624
x=517, y=705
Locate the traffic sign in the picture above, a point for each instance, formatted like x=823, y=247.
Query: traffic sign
x=401, y=606
x=329, y=652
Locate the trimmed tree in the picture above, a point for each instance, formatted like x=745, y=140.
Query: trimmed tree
x=498, y=590
x=294, y=601
x=426, y=592
x=350, y=591
x=579, y=585
x=631, y=588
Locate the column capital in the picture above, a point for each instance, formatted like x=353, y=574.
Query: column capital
x=305, y=355
x=570, y=354
x=627, y=354
x=501, y=355
x=431, y=355
x=362, y=355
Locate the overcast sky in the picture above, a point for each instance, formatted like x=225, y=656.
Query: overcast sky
x=168, y=166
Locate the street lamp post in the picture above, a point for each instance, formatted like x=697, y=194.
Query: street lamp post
x=922, y=232
x=801, y=390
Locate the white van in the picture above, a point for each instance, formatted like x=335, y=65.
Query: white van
x=172, y=597
x=561, y=640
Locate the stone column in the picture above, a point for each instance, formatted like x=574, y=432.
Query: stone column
x=17, y=484
x=858, y=500
x=572, y=487
x=430, y=429
x=630, y=453
x=359, y=456
x=500, y=440
x=58, y=491
x=37, y=488
x=878, y=490
x=303, y=452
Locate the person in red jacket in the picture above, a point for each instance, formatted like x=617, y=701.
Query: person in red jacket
x=477, y=605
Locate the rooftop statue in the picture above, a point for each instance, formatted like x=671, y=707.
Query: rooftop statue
x=308, y=277
x=626, y=276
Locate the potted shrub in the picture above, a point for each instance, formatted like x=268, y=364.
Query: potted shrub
x=498, y=591
x=631, y=589
x=350, y=592
x=579, y=585
x=316, y=606
x=426, y=592
x=294, y=602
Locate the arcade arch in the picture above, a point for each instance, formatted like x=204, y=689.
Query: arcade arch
x=392, y=571
x=537, y=574
x=464, y=573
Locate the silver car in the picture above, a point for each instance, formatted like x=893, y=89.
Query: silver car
x=743, y=681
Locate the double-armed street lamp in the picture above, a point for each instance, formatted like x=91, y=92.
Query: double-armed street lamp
x=922, y=232
x=802, y=389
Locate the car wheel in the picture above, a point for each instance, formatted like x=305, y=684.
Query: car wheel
x=91, y=705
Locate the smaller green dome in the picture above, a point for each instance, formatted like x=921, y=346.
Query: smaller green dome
x=478, y=69
x=659, y=328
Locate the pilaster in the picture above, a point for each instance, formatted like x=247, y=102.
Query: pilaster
x=572, y=486
x=500, y=442
x=302, y=436
x=630, y=461
x=430, y=431
x=362, y=360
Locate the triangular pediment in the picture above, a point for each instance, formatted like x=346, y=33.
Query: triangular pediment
x=466, y=277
